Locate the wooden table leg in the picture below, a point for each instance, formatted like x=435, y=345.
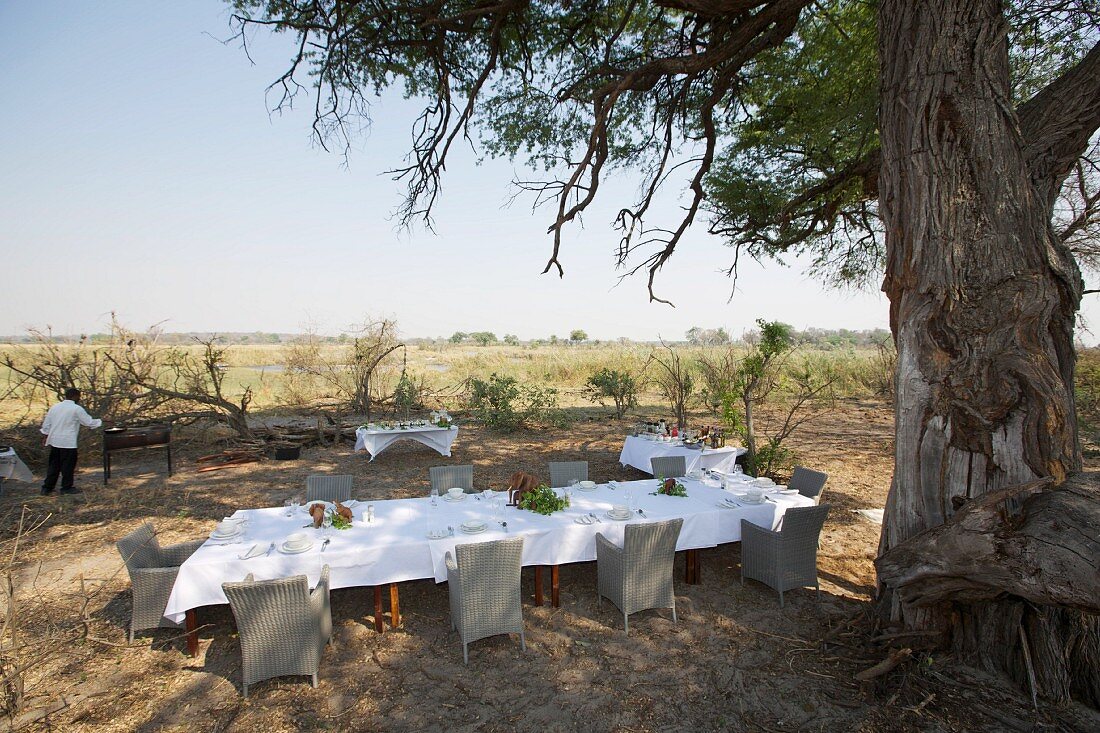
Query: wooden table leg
x=191, y=625
x=554, y=586
x=378, y=609
x=395, y=607
x=690, y=559
x=538, y=585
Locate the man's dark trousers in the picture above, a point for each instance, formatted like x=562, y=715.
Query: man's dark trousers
x=62, y=461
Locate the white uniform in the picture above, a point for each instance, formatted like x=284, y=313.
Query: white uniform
x=62, y=424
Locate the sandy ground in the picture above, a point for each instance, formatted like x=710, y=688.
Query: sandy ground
x=734, y=661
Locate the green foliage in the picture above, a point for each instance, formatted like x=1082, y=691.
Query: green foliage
x=577, y=335
x=620, y=386
x=406, y=396
x=502, y=403
x=458, y=337
x=511, y=339
x=669, y=487
x=483, y=338
x=543, y=500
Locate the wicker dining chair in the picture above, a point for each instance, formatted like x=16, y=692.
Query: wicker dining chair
x=785, y=558
x=668, y=466
x=321, y=487
x=283, y=626
x=562, y=472
x=452, y=477
x=483, y=583
x=638, y=575
x=808, y=482
x=153, y=571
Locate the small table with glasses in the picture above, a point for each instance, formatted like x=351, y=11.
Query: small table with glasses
x=638, y=450
x=376, y=438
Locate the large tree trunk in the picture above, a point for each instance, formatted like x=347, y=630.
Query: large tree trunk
x=983, y=299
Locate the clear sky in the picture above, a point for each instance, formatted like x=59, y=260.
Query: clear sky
x=143, y=173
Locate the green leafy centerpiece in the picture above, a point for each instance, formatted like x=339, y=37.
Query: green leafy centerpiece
x=670, y=487
x=542, y=500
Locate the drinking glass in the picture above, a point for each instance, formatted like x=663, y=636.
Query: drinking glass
x=737, y=470
x=435, y=495
x=628, y=497
x=370, y=513
x=288, y=505
x=487, y=494
x=326, y=525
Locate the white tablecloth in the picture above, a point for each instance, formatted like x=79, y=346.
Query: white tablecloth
x=12, y=466
x=637, y=451
x=395, y=547
x=375, y=440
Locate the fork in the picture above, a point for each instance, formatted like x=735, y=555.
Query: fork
x=269, y=550
x=325, y=544
x=451, y=531
x=595, y=517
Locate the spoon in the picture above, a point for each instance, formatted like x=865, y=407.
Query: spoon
x=325, y=544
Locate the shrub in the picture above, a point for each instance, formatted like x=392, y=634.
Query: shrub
x=502, y=403
x=620, y=386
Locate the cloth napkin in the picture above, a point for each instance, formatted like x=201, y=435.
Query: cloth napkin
x=254, y=551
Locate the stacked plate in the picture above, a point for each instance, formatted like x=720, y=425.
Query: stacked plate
x=473, y=526
x=751, y=497
x=586, y=485
x=764, y=483
x=454, y=497
x=619, y=513
x=296, y=543
x=227, y=529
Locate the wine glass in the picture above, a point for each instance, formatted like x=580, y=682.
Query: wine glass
x=288, y=506
x=326, y=525
x=628, y=497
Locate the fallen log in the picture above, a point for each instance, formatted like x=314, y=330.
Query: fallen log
x=1034, y=541
x=885, y=666
x=229, y=464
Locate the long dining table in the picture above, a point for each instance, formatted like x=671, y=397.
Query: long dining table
x=401, y=542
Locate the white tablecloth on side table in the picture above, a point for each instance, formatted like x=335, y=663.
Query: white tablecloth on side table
x=376, y=440
x=394, y=547
x=637, y=452
x=12, y=466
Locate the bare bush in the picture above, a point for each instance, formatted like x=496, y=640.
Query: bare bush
x=674, y=378
x=353, y=377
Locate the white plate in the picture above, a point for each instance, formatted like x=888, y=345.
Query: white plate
x=787, y=492
x=438, y=534
x=586, y=488
x=473, y=531
x=295, y=550
x=447, y=497
x=235, y=532
x=750, y=500
x=619, y=517
x=473, y=526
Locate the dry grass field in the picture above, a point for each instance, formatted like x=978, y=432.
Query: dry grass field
x=735, y=660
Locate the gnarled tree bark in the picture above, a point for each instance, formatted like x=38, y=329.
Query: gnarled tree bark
x=983, y=299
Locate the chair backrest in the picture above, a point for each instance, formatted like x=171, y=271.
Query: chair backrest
x=808, y=481
x=490, y=569
x=562, y=472
x=668, y=466
x=450, y=477
x=320, y=487
x=140, y=548
x=802, y=528
x=651, y=542
x=264, y=606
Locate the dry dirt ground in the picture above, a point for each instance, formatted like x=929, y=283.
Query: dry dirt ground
x=734, y=661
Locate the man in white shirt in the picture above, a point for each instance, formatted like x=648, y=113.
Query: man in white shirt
x=62, y=428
